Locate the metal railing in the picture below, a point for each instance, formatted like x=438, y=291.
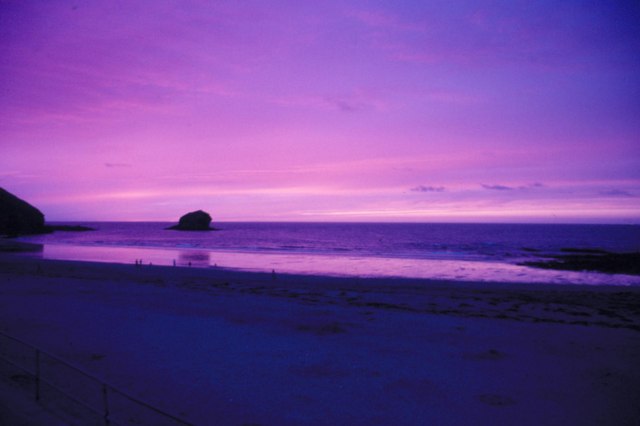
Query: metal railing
x=76, y=396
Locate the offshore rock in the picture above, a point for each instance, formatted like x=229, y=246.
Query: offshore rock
x=194, y=221
x=17, y=217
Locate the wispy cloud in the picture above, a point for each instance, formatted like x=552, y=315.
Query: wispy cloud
x=356, y=100
x=498, y=187
x=616, y=193
x=493, y=35
x=535, y=185
x=343, y=104
x=424, y=188
x=382, y=20
x=116, y=165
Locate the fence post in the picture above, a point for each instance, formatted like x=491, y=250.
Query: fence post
x=37, y=374
x=106, y=404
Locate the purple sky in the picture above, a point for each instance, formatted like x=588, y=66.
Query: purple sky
x=336, y=110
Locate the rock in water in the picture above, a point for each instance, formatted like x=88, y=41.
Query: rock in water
x=17, y=217
x=194, y=221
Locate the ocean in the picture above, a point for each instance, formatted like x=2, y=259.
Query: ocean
x=459, y=252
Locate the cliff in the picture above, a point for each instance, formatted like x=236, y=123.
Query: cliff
x=17, y=217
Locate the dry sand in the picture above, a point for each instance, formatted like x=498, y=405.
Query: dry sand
x=227, y=347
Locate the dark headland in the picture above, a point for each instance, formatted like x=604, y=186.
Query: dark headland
x=18, y=217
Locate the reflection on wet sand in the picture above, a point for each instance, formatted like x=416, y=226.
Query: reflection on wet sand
x=198, y=258
x=449, y=270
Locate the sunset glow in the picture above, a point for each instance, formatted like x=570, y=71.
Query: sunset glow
x=338, y=111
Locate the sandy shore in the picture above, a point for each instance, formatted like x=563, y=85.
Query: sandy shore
x=225, y=347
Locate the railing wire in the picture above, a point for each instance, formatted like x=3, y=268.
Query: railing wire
x=73, y=393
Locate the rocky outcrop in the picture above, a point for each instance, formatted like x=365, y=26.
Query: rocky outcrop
x=591, y=260
x=194, y=221
x=69, y=228
x=17, y=217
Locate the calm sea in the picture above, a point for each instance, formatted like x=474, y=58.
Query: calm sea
x=469, y=252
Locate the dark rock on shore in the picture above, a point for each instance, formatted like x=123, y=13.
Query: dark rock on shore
x=68, y=228
x=592, y=260
x=13, y=246
x=17, y=217
x=194, y=221
x=583, y=250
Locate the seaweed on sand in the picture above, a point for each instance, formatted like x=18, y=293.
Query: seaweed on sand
x=591, y=260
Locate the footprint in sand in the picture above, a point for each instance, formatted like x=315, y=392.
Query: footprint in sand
x=490, y=355
x=495, y=400
x=323, y=329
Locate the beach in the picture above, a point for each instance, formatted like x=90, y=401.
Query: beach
x=216, y=346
